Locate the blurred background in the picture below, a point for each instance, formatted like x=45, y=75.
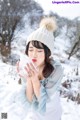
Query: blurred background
x=18, y=18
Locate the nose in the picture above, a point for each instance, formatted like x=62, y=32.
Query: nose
x=34, y=54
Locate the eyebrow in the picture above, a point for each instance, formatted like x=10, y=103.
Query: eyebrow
x=30, y=47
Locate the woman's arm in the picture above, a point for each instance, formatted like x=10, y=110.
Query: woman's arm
x=29, y=90
x=29, y=87
x=35, y=83
x=36, y=87
x=32, y=88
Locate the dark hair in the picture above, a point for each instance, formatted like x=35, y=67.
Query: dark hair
x=48, y=69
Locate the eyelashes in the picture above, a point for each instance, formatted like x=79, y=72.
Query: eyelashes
x=33, y=50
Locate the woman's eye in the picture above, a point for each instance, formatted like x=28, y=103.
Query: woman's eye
x=30, y=50
x=39, y=51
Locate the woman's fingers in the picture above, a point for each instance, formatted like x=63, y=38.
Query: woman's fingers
x=27, y=69
x=21, y=75
x=33, y=68
x=30, y=70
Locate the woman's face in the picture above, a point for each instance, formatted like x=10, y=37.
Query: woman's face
x=36, y=55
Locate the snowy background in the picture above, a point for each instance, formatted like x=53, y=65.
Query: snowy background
x=70, y=88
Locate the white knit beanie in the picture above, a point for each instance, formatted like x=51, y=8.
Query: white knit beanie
x=44, y=33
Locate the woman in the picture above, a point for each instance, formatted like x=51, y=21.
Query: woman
x=42, y=84
x=39, y=97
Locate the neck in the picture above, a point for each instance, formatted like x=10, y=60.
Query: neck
x=40, y=69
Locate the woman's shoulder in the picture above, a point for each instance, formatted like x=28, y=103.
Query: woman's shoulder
x=57, y=68
x=55, y=63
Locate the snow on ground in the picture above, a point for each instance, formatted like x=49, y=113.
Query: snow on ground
x=71, y=110
x=8, y=73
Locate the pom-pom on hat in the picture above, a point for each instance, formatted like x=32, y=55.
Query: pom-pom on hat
x=44, y=33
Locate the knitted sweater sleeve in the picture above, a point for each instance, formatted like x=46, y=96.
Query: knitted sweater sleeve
x=49, y=87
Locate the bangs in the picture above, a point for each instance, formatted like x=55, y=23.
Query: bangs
x=37, y=44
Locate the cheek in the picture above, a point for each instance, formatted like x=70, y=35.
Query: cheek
x=29, y=54
x=41, y=58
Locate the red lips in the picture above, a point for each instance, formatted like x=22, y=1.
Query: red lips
x=34, y=60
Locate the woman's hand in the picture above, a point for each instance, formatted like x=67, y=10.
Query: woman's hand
x=32, y=73
x=29, y=88
x=33, y=76
x=32, y=81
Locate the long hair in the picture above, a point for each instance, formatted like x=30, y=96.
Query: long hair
x=48, y=69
